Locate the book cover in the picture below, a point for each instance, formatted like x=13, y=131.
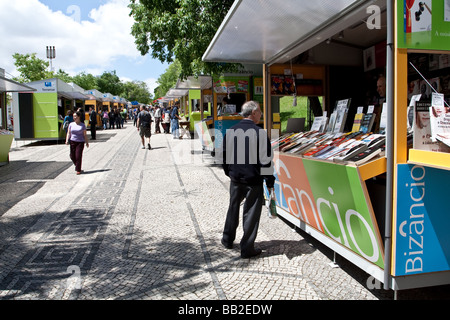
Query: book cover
x=316, y=124
x=383, y=119
x=373, y=150
x=350, y=152
x=319, y=123
x=439, y=119
x=421, y=127
x=341, y=115
x=332, y=122
x=357, y=122
x=367, y=122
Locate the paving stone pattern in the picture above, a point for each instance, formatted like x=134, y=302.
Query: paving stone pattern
x=146, y=224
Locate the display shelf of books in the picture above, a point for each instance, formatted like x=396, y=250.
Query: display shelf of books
x=327, y=142
x=430, y=128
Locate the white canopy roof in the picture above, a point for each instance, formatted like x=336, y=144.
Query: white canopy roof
x=176, y=93
x=7, y=85
x=193, y=83
x=268, y=32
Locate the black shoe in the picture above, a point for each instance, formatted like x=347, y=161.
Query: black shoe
x=228, y=246
x=149, y=147
x=251, y=254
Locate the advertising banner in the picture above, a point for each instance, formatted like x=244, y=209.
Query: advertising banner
x=231, y=85
x=423, y=24
x=330, y=198
x=422, y=224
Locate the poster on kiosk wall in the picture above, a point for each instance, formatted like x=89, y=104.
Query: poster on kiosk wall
x=423, y=24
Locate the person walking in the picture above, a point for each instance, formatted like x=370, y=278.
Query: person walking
x=105, y=119
x=157, y=116
x=67, y=120
x=118, y=118
x=93, y=122
x=166, y=120
x=247, y=160
x=76, y=138
x=174, y=118
x=112, y=119
x=144, y=120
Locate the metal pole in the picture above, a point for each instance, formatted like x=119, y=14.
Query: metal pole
x=389, y=142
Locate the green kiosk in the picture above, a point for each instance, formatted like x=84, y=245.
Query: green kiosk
x=40, y=115
x=6, y=136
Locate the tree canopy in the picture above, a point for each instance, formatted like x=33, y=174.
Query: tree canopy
x=181, y=29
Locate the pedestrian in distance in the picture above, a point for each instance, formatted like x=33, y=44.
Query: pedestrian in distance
x=157, y=116
x=112, y=119
x=144, y=120
x=174, y=121
x=247, y=160
x=166, y=120
x=67, y=120
x=83, y=114
x=93, y=122
x=77, y=138
x=105, y=119
x=118, y=118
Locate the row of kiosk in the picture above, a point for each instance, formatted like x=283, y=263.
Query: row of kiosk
x=39, y=114
x=388, y=216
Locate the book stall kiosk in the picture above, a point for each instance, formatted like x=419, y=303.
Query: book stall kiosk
x=107, y=101
x=39, y=115
x=236, y=88
x=199, y=97
x=387, y=216
x=6, y=136
x=181, y=95
x=94, y=99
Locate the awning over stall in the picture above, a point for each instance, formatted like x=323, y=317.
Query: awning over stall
x=7, y=85
x=195, y=83
x=269, y=32
x=176, y=93
x=73, y=95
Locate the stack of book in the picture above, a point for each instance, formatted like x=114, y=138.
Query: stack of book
x=327, y=140
x=348, y=148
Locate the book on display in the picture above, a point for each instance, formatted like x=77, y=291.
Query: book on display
x=439, y=119
x=373, y=150
x=331, y=122
x=357, y=122
x=341, y=115
x=383, y=119
x=367, y=122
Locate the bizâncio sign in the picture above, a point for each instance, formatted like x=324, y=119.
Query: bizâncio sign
x=330, y=198
x=422, y=224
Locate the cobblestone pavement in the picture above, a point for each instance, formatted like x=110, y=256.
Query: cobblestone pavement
x=146, y=224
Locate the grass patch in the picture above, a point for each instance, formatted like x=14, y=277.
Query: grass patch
x=287, y=111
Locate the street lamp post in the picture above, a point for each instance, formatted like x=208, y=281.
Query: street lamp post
x=51, y=54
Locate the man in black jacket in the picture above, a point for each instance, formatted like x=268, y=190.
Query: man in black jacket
x=247, y=160
x=93, y=122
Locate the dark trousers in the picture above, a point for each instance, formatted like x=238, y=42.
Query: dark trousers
x=76, y=154
x=254, y=199
x=157, y=127
x=93, y=131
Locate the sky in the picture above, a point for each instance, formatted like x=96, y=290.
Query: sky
x=91, y=36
